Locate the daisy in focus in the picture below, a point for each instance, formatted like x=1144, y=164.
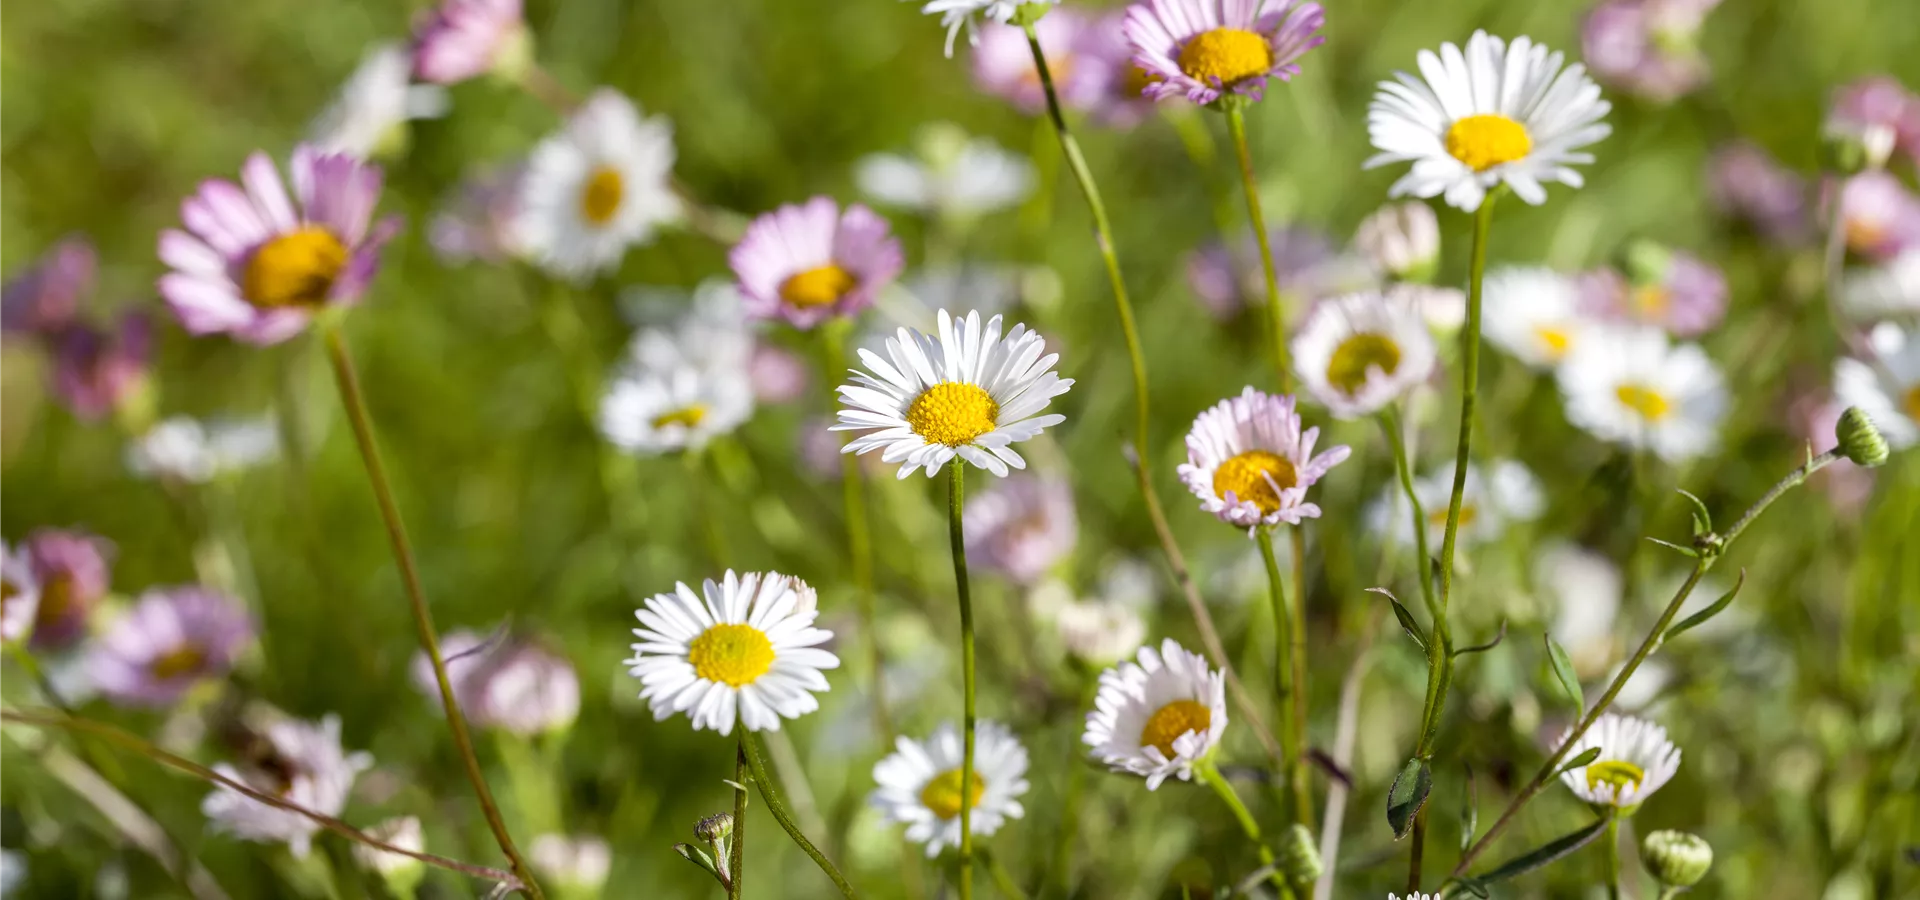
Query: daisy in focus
x=1632, y=387
x=598, y=187
x=972, y=392
x=1360, y=352
x=744, y=648
x=461, y=39
x=1635, y=760
x=806, y=263
x=1502, y=494
x=919, y=784
x=1158, y=717
x=369, y=117
x=1496, y=114
x=1206, y=49
x=1886, y=388
x=1022, y=527
x=1250, y=463
x=170, y=641
x=258, y=265
x=1534, y=315
x=299, y=762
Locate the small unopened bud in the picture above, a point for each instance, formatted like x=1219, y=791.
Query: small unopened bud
x=1402, y=240
x=1300, y=856
x=1676, y=858
x=714, y=827
x=1860, y=440
x=1850, y=153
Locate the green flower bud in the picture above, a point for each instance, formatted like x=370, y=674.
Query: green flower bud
x=1859, y=439
x=1845, y=154
x=714, y=827
x=1676, y=858
x=1300, y=856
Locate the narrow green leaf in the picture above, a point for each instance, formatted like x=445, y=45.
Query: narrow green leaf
x=1546, y=853
x=1586, y=756
x=1702, y=520
x=1469, y=813
x=1408, y=795
x=698, y=857
x=1407, y=623
x=1688, y=552
x=1701, y=617
x=1482, y=648
x=1474, y=887
x=1563, y=670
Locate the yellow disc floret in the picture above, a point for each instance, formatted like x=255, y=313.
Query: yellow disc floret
x=1622, y=775
x=1223, y=56
x=1348, y=368
x=294, y=269
x=942, y=793
x=183, y=660
x=1912, y=402
x=1649, y=403
x=953, y=413
x=731, y=654
x=600, y=197
x=1169, y=722
x=818, y=286
x=1252, y=476
x=1556, y=341
x=686, y=416
x=1487, y=140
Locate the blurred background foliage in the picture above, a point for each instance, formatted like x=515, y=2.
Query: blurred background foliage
x=1798, y=722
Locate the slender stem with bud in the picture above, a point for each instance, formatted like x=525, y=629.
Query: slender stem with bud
x=777, y=805
x=1210, y=774
x=737, y=851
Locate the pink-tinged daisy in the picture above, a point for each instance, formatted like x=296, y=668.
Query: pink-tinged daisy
x=19, y=593
x=1003, y=63
x=258, y=265
x=1880, y=216
x=461, y=39
x=1678, y=292
x=300, y=762
x=1647, y=47
x=811, y=261
x=1158, y=717
x=170, y=641
x=515, y=683
x=95, y=370
x=1022, y=526
x=46, y=298
x=1122, y=100
x=72, y=570
x=777, y=374
x=478, y=221
x=1745, y=181
x=1204, y=49
x=1360, y=352
x=1879, y=113
x=1250, y=463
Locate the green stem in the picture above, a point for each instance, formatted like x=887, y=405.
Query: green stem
x=1060, y=867
x=1297, y=658
x=853, y=487
x=1611, y=853
x=1210, y=774
x=1003, y=879
x=737, y=850
x=1403, y=467
x=1276, y=318
x=356, y=409
x=956, y=502
x=701, y=476
x=1669, y=892
x=1283, y=674
x=777, y=805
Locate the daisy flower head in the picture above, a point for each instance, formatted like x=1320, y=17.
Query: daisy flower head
x=1887, y=387
x=72, y=569
x=258, y=265
x=169, y=642
x=461, y=39
x=1745, y=181
x=957, y=14
x=1498, y=113
x=598, y=187
x=808, y=262
x=1635, y=760
x=677, y=391
x=97, y=371
x=19, y=593
x=744, y=647
x=1880, y=217
x=1159, y=716
x=185, y=449
x=1647, y=47
x=1100, y=633
x=1250, y=463
x=1674, y=291
x=1502, y=493
x=950, y=175
x=1630, y=386
x=1204, y=50
x=1890, y=290
x=1360, y=352
x=1022, y=526
x=369, y=116
x=302, y=763
x=969, y=392
x=1122, y=100
x=46, y=299
x=1003, y=63
x=919, y=784
x=1401, y=240
x=1878, y=113
x=1534, y=315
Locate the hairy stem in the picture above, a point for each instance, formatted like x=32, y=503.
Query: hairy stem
x=737, y=851
x=1283, y=675
x=1297, y=658
x=1611, y=852
x=956, y=503
x=1210, y=774
x=777, y=805
x=1276, y=318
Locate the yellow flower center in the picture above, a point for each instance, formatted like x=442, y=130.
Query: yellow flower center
x=1356, y=355
x=1487, y=140
x=952, y=413
x=1223, y=56
x=183, y=660
x=1134, y=83
x=1864, y=235
x=942, y=793
x=818, y=286
x=1247, y=476
x=1622, y=775
x=1912, y=402
x=731, y=654
x=689, y=416
x=1169, y=722
x=1652, y=301
x=601, y=197
x=1468, y=512
x=1556, y=340
x=1649, y=403
x=56, y=597
x=294, y=269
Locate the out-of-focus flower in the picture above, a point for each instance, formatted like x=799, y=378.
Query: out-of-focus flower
x=189, y=450
x=1306, y=266
x=1003, y=63
x=1510, y=114
x=1402, y=240
x=678, y=389
x=478, y=222
x=1360, y=352
x=46, y=298
x=1250, y=464
x=171, y=641
x=1100, y=633
x=971, y=393
x=1582, y=592
x=777, y=374
x=369, y=117
x=1647, y=47
x=919, y=784
x=400, y=872
x=1681, y=294
x=1022, y=526
x=1676, y=858
x=1533, y=314
x=1878, y=115
x=1158, y=717
x=1502, y=494
x=598, y=187
x=1205, y=49
x=952, y=175
x=72, y=570
x=806, y=263
x=258, y=266
x=19, y=593
x=524, y=688
x=578, y=864
x=13, y=871
x=957, y=14
x=462, y=39
x=1635, y=760
x=1630, y=386
x=300, y=762
x=1444, y=309
x=1880, y=216
x=746, y=650
x=986, y=289
x=1122, y=101
x=1886, y=388
x=97, y=371
x=1890, y=290
x=1744, y=181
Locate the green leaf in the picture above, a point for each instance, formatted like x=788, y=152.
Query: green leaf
x=1482, y=648
x=1474, y=887
x=1563, y=670
x=1701, y=617
x=1469, y=813
x=1688, y=552
x=699, y=858
x=1702, y=520
x=1408, y=795
x=1586, y=756
x=1407, y=623
x=1546, y=853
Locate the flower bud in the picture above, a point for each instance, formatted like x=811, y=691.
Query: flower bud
x=1860, y=440
x=1676, y=858
x=1851, y=154
x=1402, y=240
x=401, y=873
x=1300, y=856
x=714, y=827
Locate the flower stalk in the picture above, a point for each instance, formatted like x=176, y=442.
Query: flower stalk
x=1235, y=105
x=956, y=503
x=853, y=489
x=777, y=805
x=1283, y=675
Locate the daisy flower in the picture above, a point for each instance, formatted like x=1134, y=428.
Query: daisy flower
x=957, y=14
x=1880, y=216
x=1743, y=180
x=169, y=642
x=46, y=298
x=598, y=187
x=1879, y=113
x=1158, y=717
x=71, y=568
x=460, y=39
x=1003, y=63
x=1100, y=633
x=1635, y=760
x=1682, y=294
x=369, y=116
x=748, y=647
x=1647, y=47
x=1632, y=387
x=679, y=389
x=1022, y=527
x=953, y=176
x=19, y=593
x=579, y=864
x=1495, y=114
x=971, y=392
x=1251, y=465
x=1205, y=49
x=301, y=763
x=400, y=871
x=257, y=265
x=1533, y=314
x=1360, y=352
x=1502, y=494
x=1401, y=240
x=1122, y=100
x=97, y=370
x=806, y=263
x=1886, y=388
x=1885, y=291
x=189, y=450
x=919, y=784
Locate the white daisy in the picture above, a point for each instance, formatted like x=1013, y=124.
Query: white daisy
x=1487, y=504
x=1884, y=291
x=1360, y=352
x=1159, y=717
x=957, y=14
x=648, y=409
x=19, y=593
x=578, y=864
x=919, y=784
x=1401, y=240
x=1635, y=760
x=748, y=647
x=1100, y=633
x=1631, y=387
x=1886, y=389
x=1580, y=592
x=1496, y=113
x=954, y=176
x=971, y=393
x=303, y=764
x=597, y=188
x=1533, y=313
x=189, y=450
x=370, y=114
x=1250, y=464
